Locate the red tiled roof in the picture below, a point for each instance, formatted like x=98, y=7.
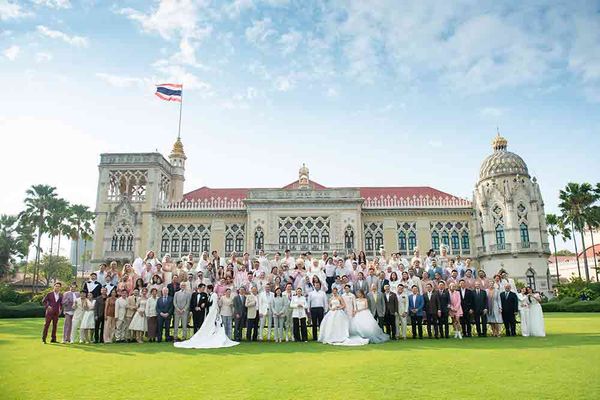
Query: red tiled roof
x=365, y=192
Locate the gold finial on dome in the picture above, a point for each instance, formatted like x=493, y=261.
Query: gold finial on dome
x=178, y=149
x=303, y=177
x=499, y=142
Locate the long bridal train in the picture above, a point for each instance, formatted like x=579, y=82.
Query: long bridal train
x=211, y=334
x=335, y=328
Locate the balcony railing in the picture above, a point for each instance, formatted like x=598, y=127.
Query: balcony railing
x=302, y=247
x=119, y=255
x=500, y=248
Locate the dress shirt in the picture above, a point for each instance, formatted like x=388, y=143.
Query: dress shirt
x=317, y=298
x=298, y=312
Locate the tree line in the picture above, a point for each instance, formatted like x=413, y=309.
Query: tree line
x=47, y=214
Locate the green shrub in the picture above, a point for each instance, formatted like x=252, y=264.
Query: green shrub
x=553, y=306
x=9, y=295
x=568, y=300
x=584, y=306
x=24, y=310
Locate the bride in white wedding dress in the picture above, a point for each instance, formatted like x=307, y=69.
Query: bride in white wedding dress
x=363, y=324
x=211, y=334
x=335, y=327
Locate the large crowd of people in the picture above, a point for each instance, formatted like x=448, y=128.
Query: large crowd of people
x=345, y=300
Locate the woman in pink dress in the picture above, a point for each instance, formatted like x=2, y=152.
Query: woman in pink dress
x=455, y=310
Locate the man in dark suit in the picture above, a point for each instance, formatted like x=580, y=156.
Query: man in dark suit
x=391, y=310
x=239, y=313
x=415, y=310
x=509, y=306
x=99, y=316
x=444, y=296
x=174, y=286
x=382, y=281
x=480, y=309
x=466, y=303
x=53, y=304
x=92, y=285
x=431, y=305
x=164, y=311
x=198, y=304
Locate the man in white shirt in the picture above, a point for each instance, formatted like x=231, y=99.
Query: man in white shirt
x=349, y=301
x=402, y=317
x=317, y=303
x=265, y=298
x=298, y=306
x=263, y=261
x=101, y=274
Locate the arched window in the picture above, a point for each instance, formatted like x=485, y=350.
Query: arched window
x=205, y=242
x=530, y=275
x=465, y=241
x=412, y=241
x=314, y=237
x=303, y=237
x=325, y=237
x=524, y=231
x=259, y=239
x=482, y=239
x=455, y=242
x=435, y=240
x=229, y=243
x=282, y=239
x=239, y=242
x=378, y=240
x=349, y=239
x=115, y=243
x=294, y=237
x=500, y=240
x=185, y=244
x=445, y=240
x=402, y=242
x=368, y=241
x=175, y=245
x=195, y=245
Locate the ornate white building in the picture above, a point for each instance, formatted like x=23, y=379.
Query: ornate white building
x=141, y=205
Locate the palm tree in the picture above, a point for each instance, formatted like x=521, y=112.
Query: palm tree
x=592, y=220
x=575, y=200
x=10, y=242
x=81, y=220
x=57, y=214
x=37, y=203
x=556, y=226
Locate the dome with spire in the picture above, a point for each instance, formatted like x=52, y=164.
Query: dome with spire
x=501, y=161
x=178, y=149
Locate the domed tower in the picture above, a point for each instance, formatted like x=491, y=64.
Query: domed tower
x=510, y=221
x=177, y=159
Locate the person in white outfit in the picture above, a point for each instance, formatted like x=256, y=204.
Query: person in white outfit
x=265, y=300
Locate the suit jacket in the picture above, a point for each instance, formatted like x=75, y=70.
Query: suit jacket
x=509, y=303
x=68, y=299
x=361, y=285
x=417, y=304
x=391, y=305
x=382, y=283
x=480, y=302
x=239, y=306
x=164, y=306
x=371, y=280
x=197, y=301
x=95, y=290
x=99, y=307
x=444, y=301
x=431, y=306
x=173, y=288
x=251, y=303
x=120, y=308
x=182, y=300
x=402, y=303
x=51, y=301
x=466, y=301
x=376, y=307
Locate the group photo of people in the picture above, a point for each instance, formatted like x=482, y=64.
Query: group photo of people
x=348, y=300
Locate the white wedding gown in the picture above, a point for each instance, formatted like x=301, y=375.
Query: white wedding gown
x=364, y=325
x=211, y=334
x=536, y=317
x=335, y=327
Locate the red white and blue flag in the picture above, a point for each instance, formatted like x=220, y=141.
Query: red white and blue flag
x=169, y=91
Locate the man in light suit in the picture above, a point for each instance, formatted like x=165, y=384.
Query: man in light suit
x=181, y=303
x=239, y=313
x=265, y=299
x=372, y=279
x=402, y=317
x=376, y=304
x=361, y=284
x=120, y=310
x=68, y=300
x=164, y=311
x=415, y=306
x=252, y=315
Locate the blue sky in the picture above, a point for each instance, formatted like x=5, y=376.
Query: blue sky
x=381, y=93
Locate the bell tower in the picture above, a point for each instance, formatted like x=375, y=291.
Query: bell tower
x=177, y=159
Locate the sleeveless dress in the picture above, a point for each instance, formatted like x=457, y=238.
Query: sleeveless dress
x=138, y=322
x=364, y=325
x=536, y=317
x=335, y=327
x=87, y=320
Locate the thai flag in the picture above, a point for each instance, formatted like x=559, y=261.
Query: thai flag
x=169, y=91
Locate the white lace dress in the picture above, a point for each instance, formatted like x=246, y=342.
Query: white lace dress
x=335, y=328
x=364, y=325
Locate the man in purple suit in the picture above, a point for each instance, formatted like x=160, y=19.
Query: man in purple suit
x=52, y=302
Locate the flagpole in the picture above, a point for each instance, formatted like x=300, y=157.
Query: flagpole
x=180, y=107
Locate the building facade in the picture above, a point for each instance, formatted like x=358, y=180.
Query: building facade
x=141, y=205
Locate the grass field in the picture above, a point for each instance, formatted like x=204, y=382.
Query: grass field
x=562, y=365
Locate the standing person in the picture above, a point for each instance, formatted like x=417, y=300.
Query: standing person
x=376, y=304
x=288, y=325
x=99, y=306
x=466, y=303
x=68, y=302
x=120, y=310
x=198, y=304
x=92, y=286
x=264, y=311
x=349, y=301
x=87, y=321
x=109, y=317
x=402, y=317
x=494, y=313
x=181, y=305
x=431, y=305
x=279, y=308
x=239, y=313
x=164, y=309
x=138, y=323
x=456, y=310
x=536, y=314
x=391, y=311
x=298, y=306
x=524, y=311
x=252, y=315
x=132, y=305
x=151, y=315
x=444, y=297
x=509, y=306
x=317, y=304
x=52, y=303
x=416, y=304
x=226, y=307
x=77, y=317
x=480, y=309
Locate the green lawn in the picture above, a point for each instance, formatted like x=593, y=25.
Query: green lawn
x=562, y=365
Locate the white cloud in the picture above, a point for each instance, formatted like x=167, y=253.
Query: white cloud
x=120, y=81
x=285, y=83
x=584, y=57
x=289, y=42
x=260, y=32
x=12, y=52
x=332, y=92
x=12, y=10
x=57, y=4
x=41, y=57
x=178, y=74
x=233, y=10
x=492, y=112
x=77, y=41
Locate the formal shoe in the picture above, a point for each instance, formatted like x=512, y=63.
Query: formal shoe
x=53, y=341
x=44, y=340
